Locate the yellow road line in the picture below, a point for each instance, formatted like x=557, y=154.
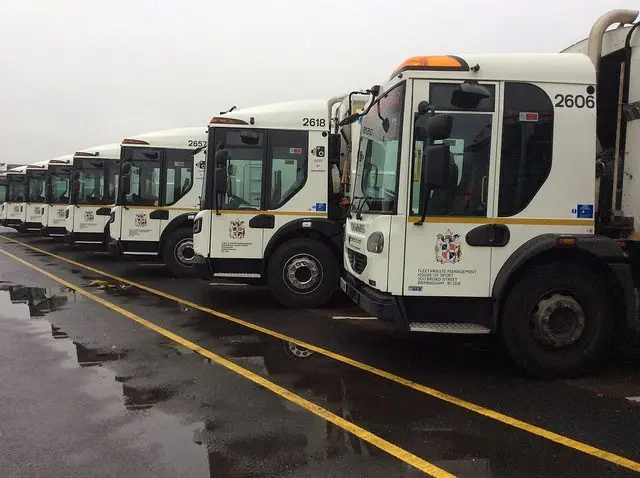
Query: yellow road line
x=346, y=425
x=479, y=409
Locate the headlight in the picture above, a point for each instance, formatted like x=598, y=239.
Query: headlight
x=375, y=243
x=197, y=225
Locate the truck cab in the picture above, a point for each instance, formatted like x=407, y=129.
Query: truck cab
x=12, y=208
x=32, y=208
x=94, y=187
x=472, y=194
x=159, y=189
x=270, y=211
x=57, y=193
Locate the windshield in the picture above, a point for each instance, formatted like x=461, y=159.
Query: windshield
x=3, y=192
x=145, y=176
x=379, y=152
x=97, y=181
x=59, y=180
x=35, y=185
x=16, y=185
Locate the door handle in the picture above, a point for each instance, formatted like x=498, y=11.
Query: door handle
x=159, y=214
x=488, y=235
x=262, y=221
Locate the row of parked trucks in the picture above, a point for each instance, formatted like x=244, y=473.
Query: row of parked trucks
x=471, y=194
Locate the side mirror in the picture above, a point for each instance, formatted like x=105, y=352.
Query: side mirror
x=468, y=95
x=222, y=171
x=126, y=183
x=75, y=189
x=433, y=128
x=76, y=175
x=126, y=168
x=436, y=167
x=352, y=118
x=48, y=191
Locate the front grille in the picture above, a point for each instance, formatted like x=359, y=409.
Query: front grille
x=358, y=261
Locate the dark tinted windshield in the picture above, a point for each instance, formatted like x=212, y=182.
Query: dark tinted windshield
x=59, y=179
x=3, y=192
x=145, y=176
x=17, y=185
x=97, y=181
x=35, y=185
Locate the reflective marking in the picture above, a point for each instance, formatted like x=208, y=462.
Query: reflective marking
x=352, y=317
x=360, y=432
x=432, y=392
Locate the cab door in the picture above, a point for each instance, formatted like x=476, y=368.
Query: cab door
x=137, y=223
x=449, y=254
x=238, y=224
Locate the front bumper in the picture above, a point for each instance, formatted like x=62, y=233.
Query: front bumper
x=32, y=226
x=54, y=231
x=84, y=238
x=381, y=305
x=202, y=267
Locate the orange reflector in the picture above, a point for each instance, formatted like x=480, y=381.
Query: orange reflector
x=567, y=241
x=84, y=153
x=447, y=62
x=58, y=161
x=133, y=141
x=223, y=120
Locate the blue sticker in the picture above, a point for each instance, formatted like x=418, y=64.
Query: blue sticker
x=321, y=207
x=415, y=288
x=584, y=211
x=360, y=120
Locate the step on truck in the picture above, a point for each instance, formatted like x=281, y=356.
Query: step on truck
x=94, y=187
x=12, y=208
x=57, y=194
x=159, y=188
x=495, y=194
x=270, y=210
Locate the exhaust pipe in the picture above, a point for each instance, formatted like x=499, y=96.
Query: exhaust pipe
x=594, y=48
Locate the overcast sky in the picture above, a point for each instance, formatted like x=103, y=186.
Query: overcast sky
x=77, y=73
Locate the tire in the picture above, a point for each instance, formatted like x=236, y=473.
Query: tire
x=557, y=321
x=316, y=275
x=177, y=244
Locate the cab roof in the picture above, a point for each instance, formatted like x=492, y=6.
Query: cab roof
x=574, y=68
x=286, y=115
x=168, y=138
x=18, y=170
x=104, y=152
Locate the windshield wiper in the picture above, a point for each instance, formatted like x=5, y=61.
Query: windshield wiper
x=363, y=200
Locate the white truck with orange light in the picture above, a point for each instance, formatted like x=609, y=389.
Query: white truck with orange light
x=12, y=208
x=94, y=187
x=159, y=189
x=497, y=196
x=57, y=193
x=270, y=210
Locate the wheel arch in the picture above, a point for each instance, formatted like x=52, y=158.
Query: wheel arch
x=183, y=220
x=324, y=230
x=599, y=253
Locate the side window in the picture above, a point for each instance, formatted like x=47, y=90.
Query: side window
x=288, y=154
x=470, y=155
x=527, y=144
x=238, y=161
x=179, y=178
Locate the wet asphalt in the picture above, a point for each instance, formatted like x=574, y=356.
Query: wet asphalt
x=87, y=391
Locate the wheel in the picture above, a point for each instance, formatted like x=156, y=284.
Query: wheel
x=303, y=273
x=557, y=320
x=178, y=253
